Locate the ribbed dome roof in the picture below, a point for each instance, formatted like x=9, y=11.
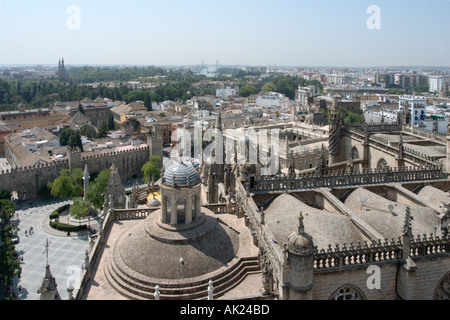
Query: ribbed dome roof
x=184, y=173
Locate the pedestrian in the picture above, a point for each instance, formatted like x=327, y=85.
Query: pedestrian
x=26, y=234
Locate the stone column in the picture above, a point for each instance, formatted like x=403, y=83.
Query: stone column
x=174, y=213
x=164, y=210
x=188, y=208
x=198, y=207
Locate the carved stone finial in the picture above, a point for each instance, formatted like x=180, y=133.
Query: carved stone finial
x=407, y=226
x=301, y=226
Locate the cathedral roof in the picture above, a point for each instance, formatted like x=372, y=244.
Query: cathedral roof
x=182, y=174
x=324, y=227
x=377, y=213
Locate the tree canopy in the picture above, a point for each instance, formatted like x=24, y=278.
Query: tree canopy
x=67, y=184
x=71, y=138
x=151, y=168
x=98, y=188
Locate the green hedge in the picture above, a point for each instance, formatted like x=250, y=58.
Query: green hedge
x=65, y=227
x=55, y=214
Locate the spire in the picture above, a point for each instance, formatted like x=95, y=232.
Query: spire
x=407, y=230
x=219, y=122
x=301, y=226
x=400, y=146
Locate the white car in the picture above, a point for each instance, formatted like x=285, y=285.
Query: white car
x=15, y=238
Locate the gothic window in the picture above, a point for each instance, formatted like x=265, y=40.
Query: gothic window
x=355, y=153
x=443, y=289
x=382, y=164
x=347, y=293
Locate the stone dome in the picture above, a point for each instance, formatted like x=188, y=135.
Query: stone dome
x=152, y=250
x=154, y=202
x=182, y=174
x=300, y=242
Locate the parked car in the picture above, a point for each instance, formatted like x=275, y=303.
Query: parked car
x=15, y=238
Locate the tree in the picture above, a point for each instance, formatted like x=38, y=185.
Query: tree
x=98, y=188
x=80, y=208
x=71, y=138
x=148, y=102
x=111, y=124
x=9, y=264
x=247, y=90
x=103, y=130
x=75, y=141
x=135, y=123
x=151, y=168
x=88, y=131
x=269, y=87
x=67, y=185
x=80, y=108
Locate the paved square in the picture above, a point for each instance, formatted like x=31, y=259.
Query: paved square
x=65, y=257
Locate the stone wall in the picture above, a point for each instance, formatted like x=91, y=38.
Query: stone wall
x=32, y=180
x=326, y=285
x=129, y=162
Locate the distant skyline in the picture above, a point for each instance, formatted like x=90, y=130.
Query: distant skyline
x=247, y=32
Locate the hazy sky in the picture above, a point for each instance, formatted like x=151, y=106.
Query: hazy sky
x=249, y=32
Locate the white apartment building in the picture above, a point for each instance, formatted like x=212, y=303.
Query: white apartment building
x=338, y=79
x=303, y=93
x=417, y=107
x=436, y=83
x=270, y=100
x=225, y=93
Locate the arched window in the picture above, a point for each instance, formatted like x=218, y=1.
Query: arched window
x=347, y=292
x=443, y=289
x=382, y=164
x=168, y=209
x=194, y=202
x=355, y=153
x=181, y=211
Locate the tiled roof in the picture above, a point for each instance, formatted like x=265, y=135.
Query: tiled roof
x=183, y=174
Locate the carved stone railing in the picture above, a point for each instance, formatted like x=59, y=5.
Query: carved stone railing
x=374, y=127
x=426, y=134
x=361, y=255
x=341, y=179
x=376, y=253
x=217, y=208
x=133, y=214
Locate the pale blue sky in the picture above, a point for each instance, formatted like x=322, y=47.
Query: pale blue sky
x=249, y=32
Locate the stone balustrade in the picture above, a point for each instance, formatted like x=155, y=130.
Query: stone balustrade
x=379, y=252
x=341, y=178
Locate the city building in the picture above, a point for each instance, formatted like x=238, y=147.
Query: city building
x=436, y=84
x=416, y=107
x=270, y=100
